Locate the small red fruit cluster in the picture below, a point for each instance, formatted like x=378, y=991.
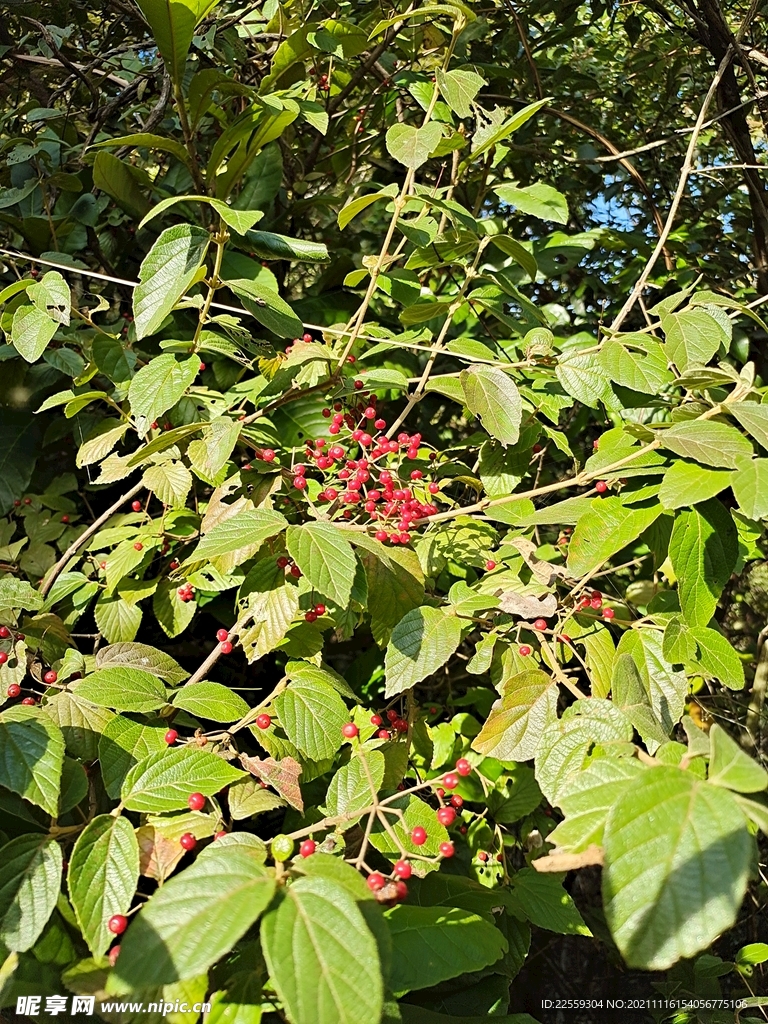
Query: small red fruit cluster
x=286, y=563
x=315, y=613
x=186, y=592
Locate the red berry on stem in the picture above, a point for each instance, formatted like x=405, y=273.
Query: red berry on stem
x=65, y=519
x=188, y=841
x=540, y=624
x=457, y=801
x=463, y=767
x=349, y=730
x=490, y=565
x=524, y=650
x=222, y=635
x=221, y=834
x=376, y=720
x=138, y=546
x=446, y=816
x=319, y=609
x=608, y=613
x=402, y=869
x=450, y=781
x=117, y=924
x=136, y=506
x=482, y=856
x=196, y=801
x=268, y=455
x=171, y=736
x=113, y=954
x=263, y=721
x=418, y=836
x=601, y=486
x=226, y=647
x=4, y=632
x=383, y=734
x=50, y=676
x=392, y=715
x=375, y=881
x=13, y=690
x=308, y=847
x=446, y=849
x=3, y=657
x=29, y=701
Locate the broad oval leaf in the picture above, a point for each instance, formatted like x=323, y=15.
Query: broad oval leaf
x=209, y=700
x=528, y=706
x=312, y=714
x=195, y=918
x=353, y=788
x=122, y=689
x=160, y=384
x=325, y=556
x=677, y=861
x=31, y=756
x=322, y=957
x=164, y=780
x=246, y=530
x=421, y=643
x=708, y=442
x=412, y=146
x=492, y=396
x=29, y=887
x=102, y=877
x=604, y=530
x=142, y=656
x=703, y=550
x=732, y=768
x=166, y=273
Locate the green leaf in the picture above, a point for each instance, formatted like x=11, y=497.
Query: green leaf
x=193, y=920
x=31, y=330
x=693, y=337
x=433, y=944
x=243, y=532
x=666, y=688
x=631, y=696
x=164, y=780
x=117, y=619
x=31, y=756
x=123, y=743
x=732, y=768
x=98, y=447
x=492, y=396
x=717, y=657
x=170, y=481
x=173, y=25
x=583, y=378
x=537, y=200
x=412, y=146
x=325, y=556
x=212, y=701
x=247, y=797
x=703, y=551
x=263, y=303
x=397, y=837
x=167, y=271
x=350, y=788
x=122, y=689
x=604, y=530
x=421, y=643
x=351, y=209
x=267, y=245
x=210, y=453
x=644, y=371
x=754, y=419
x=528, y=707
x=678, y=645
x=541, y=899
x=113, y=176
x=52, y=296
x=81, y=723
x=312, y=715
x=713, y=444
x=511, y=247
x=160, y=384
x=395, y=582
x=19, y=595
x=586, y=800
x=103, y=874
x=142, y=656
x=750, y=487
x=677, y=861
x=29, y=887
x=459, y=88
x=687, y=483
x=322, y=957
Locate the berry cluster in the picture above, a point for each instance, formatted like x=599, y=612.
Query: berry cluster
x=594, y=601
x=397, y=724
x=364, y=476
x=186, y=592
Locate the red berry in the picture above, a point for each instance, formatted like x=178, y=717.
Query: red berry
x=296, y=572
x=418, y=836
x=524, y=650
x=359, y=385
x=392, y=715
x=136, y=506
x=13, y=690
x=401, y=890
x=171, y=736
x=310, y=616
x=540, y=624
x=221, y=834
x=376, y=720
x=117, y=924
x=188, y=841
x=226, y=647
x=263, y=721
x=596, y=602
x=457, y=801
x=283, y=561
x=608, y=613
x=601, y=486
x=433, y=488
x=381, y=535
x=319, y=609
x=402, y=869
x=375, y=881
x=349, y=730
x=482, y=856
x=4, y=632
x=29, y=701
x=383, y=734
x=65, y=519
x=446, y=849
x=463, y=767
x=400, y=725
x=50, y=676
x=299, y=483
x=268, y=455
x=450, y=781
x=490, y=565
x=308, y=847
x=446, y=816
x=222, y=635
x=3, y=657
x=113, y=954
x=196, y=801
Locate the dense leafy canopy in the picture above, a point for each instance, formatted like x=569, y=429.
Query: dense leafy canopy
x=348, y=350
